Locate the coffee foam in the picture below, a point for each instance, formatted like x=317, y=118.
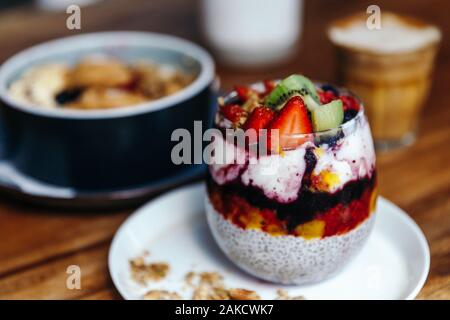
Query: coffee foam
x=397, y=34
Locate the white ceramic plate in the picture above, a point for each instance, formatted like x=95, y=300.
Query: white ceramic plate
x=393, y=264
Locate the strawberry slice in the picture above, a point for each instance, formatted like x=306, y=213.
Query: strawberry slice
x=244, y=92
x=259, y=118
x=291, y=120
x=233, y=112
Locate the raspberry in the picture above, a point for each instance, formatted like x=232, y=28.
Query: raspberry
x=326, y=96
x=350, y=103
x=233, y=112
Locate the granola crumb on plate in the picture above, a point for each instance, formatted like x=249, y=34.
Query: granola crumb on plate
x=206, y=285
x=243, y=294
x=143, y=272
x=284, y=295
x=161, y=295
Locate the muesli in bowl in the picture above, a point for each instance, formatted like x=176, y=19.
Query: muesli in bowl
x=97, y=82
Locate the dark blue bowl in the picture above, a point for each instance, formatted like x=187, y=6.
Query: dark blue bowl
x=104, y=149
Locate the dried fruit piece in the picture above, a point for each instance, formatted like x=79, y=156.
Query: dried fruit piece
x=100, y=73
x=103, y=98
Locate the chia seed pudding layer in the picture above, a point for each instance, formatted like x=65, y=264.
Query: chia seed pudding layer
x=286, y=259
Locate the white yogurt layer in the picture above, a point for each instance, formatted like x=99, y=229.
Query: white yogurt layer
x=395, y=35
x=353, y=158
x=227, y=161
x=280, y=176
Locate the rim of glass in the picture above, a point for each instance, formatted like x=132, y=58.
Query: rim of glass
x=341, y=23
x=349, y=125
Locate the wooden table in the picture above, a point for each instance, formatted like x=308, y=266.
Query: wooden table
x=37, y=244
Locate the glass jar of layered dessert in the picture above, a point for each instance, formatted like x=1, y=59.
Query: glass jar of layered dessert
x=299, y=208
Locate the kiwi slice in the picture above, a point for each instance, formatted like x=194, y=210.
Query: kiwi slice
x=327, y=116
x=297, y=81
x=276, y=96
x=293, y=85
x=281, y=94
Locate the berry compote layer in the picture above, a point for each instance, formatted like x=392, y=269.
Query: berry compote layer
x=318, y=178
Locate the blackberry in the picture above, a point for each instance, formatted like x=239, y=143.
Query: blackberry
x=68, y=95
x=350, y=114
x=330, y=140
x=310, y=160
x=329, y=87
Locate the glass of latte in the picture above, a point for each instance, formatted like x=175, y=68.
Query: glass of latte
x=390, y=68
